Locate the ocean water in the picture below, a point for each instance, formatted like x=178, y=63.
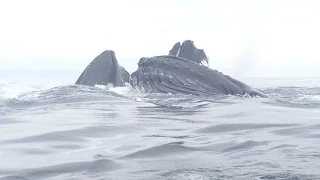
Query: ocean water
x=64, y=131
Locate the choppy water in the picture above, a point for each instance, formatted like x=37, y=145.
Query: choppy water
x=78, y=132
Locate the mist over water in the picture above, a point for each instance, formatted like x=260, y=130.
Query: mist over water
x=57, y=130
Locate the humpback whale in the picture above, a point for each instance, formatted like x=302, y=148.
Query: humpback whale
x=182, y=71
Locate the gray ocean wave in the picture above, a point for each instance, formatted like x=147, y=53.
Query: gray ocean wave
x=78, y=132
x=281, y=96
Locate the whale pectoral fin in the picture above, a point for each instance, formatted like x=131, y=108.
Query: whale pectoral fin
x=96, y=73
x=81, y=76
x=201, y=57
x=175, y=49
x=102, y=70
x=190, y=52
x=125, y=76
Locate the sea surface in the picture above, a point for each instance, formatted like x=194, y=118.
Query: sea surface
x=59, y=130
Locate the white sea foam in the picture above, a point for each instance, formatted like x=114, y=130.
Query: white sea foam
x=15, y=90
x=119, y=90
x=309, y=98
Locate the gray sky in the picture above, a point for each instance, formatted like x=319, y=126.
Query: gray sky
x=241, y=38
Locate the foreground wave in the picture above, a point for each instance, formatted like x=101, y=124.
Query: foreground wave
x=282, y=96
x=80, y=132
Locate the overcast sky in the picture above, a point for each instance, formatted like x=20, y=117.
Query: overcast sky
x=241, y=38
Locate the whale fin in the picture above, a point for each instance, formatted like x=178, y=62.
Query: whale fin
x=125, y=75
x=81, y=76
x=190, y=52
x=175, y=49
x=201, y=57
x=104, y=69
